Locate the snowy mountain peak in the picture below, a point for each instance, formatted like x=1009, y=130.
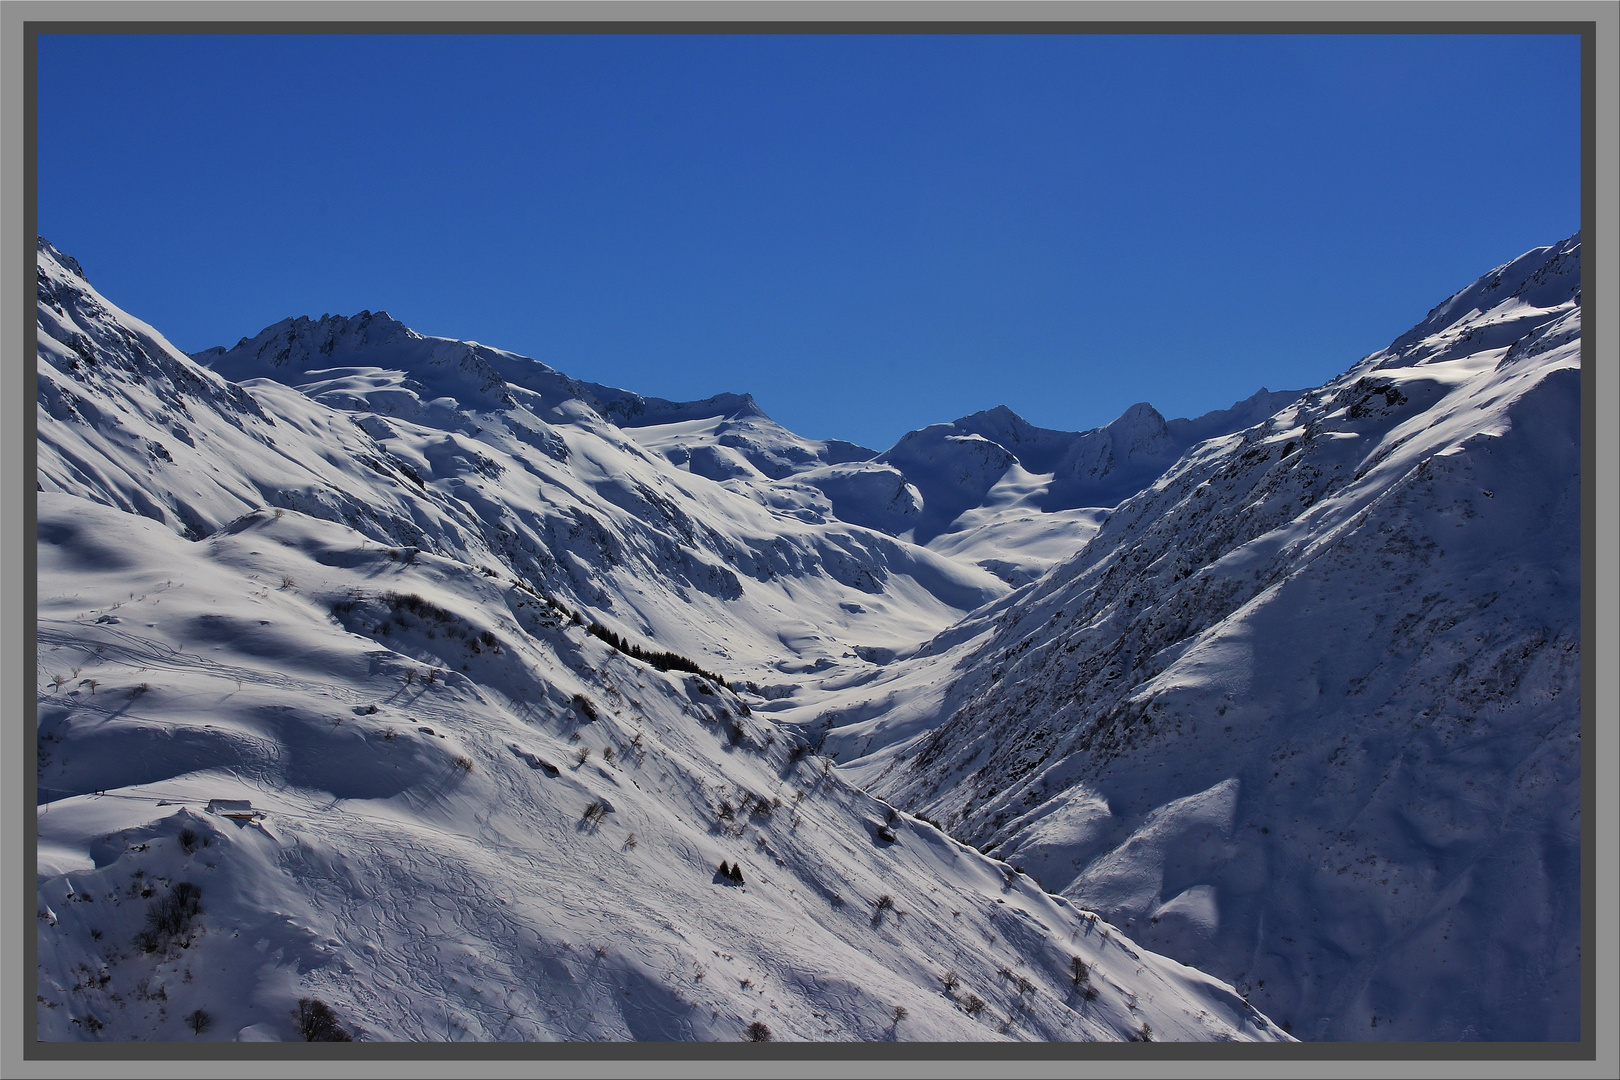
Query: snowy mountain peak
x=47, y=249
x=1140, y=429
x=999, y=423
x=301, y=342
x=1540, y=279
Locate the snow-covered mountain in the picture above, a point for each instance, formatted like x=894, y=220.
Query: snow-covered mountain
x=993, y=490
x=1305, y=712
x=482, y=456
x=414, y=677
x=507, y=664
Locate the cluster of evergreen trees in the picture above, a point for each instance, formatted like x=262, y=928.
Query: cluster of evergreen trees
x=663, y=661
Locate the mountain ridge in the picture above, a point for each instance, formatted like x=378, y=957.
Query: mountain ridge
x=321, y=708
x=1093, y=468
x=1279, y=681
x=1320, y=659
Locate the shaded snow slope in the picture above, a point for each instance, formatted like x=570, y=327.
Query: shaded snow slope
x=478, y=822
x=352, y=593
x=336, y=359
x=1305, y=713
x=481, y=456
x=974, y=489
x=730, y=437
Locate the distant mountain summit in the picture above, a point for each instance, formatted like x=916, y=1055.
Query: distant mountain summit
x=955, y=487
x=1011, y=497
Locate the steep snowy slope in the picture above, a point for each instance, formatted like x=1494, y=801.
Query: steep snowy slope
x=353, y=601
x=481, y=456
x=480, y=822
x=729, y=437
x=1305, y=713
x=716, y=437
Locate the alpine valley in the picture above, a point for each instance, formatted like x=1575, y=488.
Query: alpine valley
x=396, y=688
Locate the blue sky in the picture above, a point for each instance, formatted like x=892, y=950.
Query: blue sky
x=869, y=233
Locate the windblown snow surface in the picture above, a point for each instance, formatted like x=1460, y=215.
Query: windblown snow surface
x=347, y=575
x=1305, y=712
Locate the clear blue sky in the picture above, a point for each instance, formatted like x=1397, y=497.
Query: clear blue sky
x=869, y=233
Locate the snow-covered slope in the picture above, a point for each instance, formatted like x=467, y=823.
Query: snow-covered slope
x=1305, y=713
x=998, y=492
x=729, y=437
x=481, y=822
x=353, y=594
x=482, y=456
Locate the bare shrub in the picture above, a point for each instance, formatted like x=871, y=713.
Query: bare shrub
x=199, y=1021
x=169, y=916
x=318, y=1023
x=759, y=1032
